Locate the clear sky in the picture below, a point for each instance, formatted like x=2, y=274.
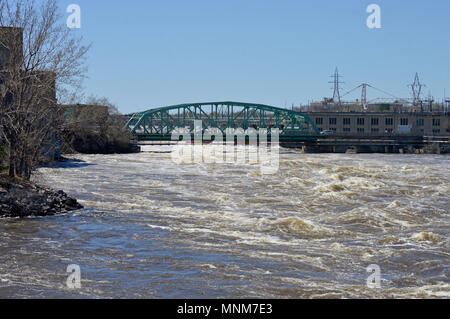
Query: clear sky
x=150, y=53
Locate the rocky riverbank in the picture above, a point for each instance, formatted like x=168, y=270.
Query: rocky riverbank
x=23, y=199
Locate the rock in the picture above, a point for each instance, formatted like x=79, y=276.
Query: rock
x=71, y=202
x=32, y=200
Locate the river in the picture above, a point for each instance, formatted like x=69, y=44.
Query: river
x=155, y=229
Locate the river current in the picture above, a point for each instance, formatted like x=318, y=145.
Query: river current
x=155, y=229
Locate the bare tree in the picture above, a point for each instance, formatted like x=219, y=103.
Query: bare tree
x=49, y=59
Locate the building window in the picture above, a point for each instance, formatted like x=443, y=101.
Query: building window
x=347, y=121
x=375, y=122
x=436, y=122
x=375, y=130
x=319, y=121
x=333, y=121
x=420, y=122
x=436, y=131
x=389, y=121
x=347, y=129
x=390, y=130
x=320, y=129
x=361, y=121
x=403, y=121
x=333, y=129
x=360, y=130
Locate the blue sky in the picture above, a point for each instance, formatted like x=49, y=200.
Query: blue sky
x=149, y=53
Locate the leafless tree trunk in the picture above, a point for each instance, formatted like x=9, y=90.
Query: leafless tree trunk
x=48, y=59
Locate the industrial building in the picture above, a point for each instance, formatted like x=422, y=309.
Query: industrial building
x=382, y=116
x=382, y=123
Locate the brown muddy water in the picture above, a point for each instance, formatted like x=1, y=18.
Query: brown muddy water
x=154, y=229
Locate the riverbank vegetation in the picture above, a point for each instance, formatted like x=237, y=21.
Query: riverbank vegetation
x=95, y=128
x=41, y=62
x=41, y=58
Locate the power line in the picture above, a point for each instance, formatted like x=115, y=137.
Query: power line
x=364, y=87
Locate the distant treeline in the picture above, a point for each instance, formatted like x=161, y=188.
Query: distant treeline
x=94, y=129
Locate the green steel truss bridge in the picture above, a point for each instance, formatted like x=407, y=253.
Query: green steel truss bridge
x=159, y=123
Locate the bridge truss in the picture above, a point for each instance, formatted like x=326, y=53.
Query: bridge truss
x=160, y=123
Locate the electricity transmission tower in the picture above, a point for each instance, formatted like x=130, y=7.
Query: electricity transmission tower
x=416, y=89
x=337, y=87
x=364, y=95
